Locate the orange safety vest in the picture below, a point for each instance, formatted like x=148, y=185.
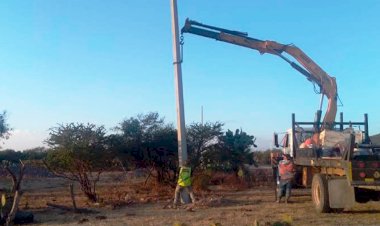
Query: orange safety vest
x=286, y=170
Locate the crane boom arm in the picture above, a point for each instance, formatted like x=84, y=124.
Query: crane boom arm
x=309, y=68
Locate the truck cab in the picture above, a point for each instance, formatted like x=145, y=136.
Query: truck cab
x=290, y=140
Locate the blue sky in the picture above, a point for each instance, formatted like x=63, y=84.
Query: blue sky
x=103, y=61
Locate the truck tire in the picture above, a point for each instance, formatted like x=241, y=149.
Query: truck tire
x=362, y=199
x=320, y=194
x=376, y=197
x=365, y=195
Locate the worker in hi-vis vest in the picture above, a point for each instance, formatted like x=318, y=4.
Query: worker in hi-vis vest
x=286, y=173
x=184, y=182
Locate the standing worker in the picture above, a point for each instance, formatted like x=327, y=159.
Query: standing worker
x=183, y=183
x=286, y=173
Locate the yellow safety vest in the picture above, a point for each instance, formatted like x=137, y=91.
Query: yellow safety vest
x=184, y=178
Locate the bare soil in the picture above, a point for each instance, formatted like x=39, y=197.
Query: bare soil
x=129, y=202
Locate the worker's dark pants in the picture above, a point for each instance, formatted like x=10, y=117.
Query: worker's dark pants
x=178, y=190
x=284, y=189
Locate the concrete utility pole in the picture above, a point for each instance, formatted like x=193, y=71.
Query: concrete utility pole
x=181, y=128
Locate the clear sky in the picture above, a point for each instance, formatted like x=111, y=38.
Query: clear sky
x=103, y=61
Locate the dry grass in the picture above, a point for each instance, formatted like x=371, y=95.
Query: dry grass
x=126, y=202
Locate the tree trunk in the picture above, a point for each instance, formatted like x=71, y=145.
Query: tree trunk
x=91, y=196
x=86, y=187
x=14, y=209
x=16, y=188
x=73, y=196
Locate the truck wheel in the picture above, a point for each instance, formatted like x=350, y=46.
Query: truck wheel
x=365, y=195
x=320, y=194
x=376, y=196
x=362, y=199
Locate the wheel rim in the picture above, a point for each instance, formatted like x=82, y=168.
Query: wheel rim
x=317, y=194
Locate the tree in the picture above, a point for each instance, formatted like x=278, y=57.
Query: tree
x=10, y=155
x=148, y=142
x=4, y=127
x=16, y=190
x=13, y=156
x=37, y=153
x=200, y=139
x=17, y=180
x=233, y=151
x=238, y=148
x=79, y=153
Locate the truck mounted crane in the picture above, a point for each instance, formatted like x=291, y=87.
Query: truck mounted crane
x=343, y=166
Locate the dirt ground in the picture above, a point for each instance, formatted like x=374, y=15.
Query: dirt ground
x=125, y=202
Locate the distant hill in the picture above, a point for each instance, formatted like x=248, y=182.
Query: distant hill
x=375, y=139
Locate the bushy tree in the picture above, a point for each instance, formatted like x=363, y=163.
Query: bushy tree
x=4, y=127
x=232, y=152
x=79, y=153
x=10, y=155
x=13, y=156
x=147, y=141
x=37, y=153
x=202, y=138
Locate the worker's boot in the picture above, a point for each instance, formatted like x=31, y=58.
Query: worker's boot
x=287, y=200
x=278, y=200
